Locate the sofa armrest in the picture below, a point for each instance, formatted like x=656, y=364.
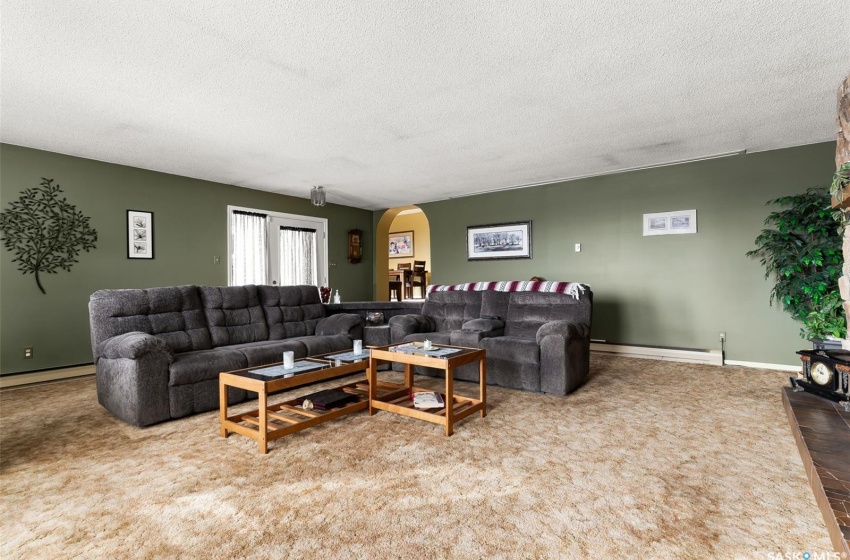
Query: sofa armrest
x=131, y=374
x=403, y=325
x=564, y=356
x=134, y=346
x=341, y=323
x=564, y=329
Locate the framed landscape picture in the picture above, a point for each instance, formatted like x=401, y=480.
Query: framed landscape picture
x=499, y=241
x=401, y=245
x=670, y=223
x=139, y=234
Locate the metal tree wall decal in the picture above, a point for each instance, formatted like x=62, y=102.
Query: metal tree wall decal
x=45, y=232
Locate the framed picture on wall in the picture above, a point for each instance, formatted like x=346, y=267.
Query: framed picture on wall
x=670, y=223
x=401, y=245
x=139, y=234
x=499, y=241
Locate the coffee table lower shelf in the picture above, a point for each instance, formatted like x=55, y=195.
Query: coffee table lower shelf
x=398, y=400
x=288, y=417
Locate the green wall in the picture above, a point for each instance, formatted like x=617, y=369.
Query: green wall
x=675, y=291
x=672, y=291
x=190, y=230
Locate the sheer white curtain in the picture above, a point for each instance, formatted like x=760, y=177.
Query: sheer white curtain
x=298, y=260
x=250, y=248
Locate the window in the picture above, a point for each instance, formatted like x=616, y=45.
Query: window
x=274, y=248
x=298, y=256
x=250, y=248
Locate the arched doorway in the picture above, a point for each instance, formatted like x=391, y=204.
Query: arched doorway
x=396, y=220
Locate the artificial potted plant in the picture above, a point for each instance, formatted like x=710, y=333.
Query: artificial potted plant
x=802, y=251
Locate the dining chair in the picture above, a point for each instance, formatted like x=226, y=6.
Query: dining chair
x=418, y=278
x=408, y=288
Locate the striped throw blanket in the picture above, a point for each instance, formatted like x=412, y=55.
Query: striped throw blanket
x=570, y=288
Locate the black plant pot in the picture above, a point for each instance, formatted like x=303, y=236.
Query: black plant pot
x=822, y=344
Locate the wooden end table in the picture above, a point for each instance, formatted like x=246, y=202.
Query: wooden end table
x=396, y=398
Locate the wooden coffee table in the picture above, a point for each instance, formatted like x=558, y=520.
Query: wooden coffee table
x=396, y=398
x=268, y=423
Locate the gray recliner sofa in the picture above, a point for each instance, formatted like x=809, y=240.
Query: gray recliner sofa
x=158, y=351
x=536, y=340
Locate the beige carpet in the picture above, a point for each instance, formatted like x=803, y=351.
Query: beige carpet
x=649, y=459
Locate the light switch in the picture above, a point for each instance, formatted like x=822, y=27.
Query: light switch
x=578, y=247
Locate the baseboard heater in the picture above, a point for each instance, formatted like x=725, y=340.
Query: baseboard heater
x=691, y=355
x=27, y=378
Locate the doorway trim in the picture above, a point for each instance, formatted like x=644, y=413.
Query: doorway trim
x=382, y=260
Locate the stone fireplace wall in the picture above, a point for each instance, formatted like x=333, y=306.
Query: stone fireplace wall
x=842, y=155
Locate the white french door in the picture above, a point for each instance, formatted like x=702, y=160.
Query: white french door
x=274, y=248
x=297, y=251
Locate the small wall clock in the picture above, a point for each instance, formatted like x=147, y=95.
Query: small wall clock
x=355, y=246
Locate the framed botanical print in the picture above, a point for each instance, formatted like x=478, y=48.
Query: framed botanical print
x=139, y=234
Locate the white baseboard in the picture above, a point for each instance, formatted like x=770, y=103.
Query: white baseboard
x=712, y=357
x=7, y=381
x=761, y=365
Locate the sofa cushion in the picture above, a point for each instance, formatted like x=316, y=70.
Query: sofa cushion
x=291, y=311
x=317, y=345
x=435, y=337
x=450, y=310
x=174, y=315
x=269, y=351
x=513, y=362
x=234, y=315
x=495, y=304
x=528, y=311
x=192, y=367
x=193, y=398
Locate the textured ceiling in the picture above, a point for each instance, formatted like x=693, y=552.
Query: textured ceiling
x=389, y=103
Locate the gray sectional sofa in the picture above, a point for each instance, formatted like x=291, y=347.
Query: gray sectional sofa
x=158, y=351
x=536, y=340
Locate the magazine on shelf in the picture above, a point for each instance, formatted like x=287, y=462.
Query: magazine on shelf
x=330, y=398
x=301, y=366
x=428, y=399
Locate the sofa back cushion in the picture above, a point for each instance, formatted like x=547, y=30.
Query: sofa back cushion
x=527, y=311
x=495, y=304
x=291, y=311
x=234, y=315
x=174, y=315
x=450, y=310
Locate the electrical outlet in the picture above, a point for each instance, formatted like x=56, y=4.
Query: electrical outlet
x=722, y=337
x=27, y=352
x=578, y=247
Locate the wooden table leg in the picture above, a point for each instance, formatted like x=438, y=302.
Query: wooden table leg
x=408, y=376
x=450, y=402
x=222, y=408
x=263, y=428
x=372, y=379
x=482, y=389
